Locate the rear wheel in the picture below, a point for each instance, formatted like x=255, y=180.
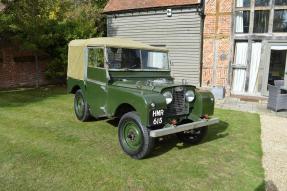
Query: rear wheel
x=134, y=137
x=81, y=107
x=194, y=136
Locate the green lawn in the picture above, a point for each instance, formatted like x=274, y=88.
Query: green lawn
x=44, y=147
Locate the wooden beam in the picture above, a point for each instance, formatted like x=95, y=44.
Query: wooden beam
x=219, y=14
x=249, y=52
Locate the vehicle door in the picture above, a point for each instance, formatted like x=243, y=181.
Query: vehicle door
x=96, y=81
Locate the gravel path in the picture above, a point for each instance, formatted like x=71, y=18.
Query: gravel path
x=274, y=143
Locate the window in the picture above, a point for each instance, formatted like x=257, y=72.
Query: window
x=242, y=3
x=242, y=22
x=261, y=21
x=121, y=58
x=260, y=3
x=96, y=57
x=280, y=21
x=280, y=2
x=261, y=17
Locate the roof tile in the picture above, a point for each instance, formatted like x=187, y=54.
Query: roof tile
x=124, y=5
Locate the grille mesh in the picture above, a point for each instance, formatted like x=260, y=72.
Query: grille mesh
x=178, y=104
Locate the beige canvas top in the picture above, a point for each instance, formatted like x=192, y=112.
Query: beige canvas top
x=76, y=59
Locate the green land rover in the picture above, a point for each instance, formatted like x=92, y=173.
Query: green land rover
x=131, y=81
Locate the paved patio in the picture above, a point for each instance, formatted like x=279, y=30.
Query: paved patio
x=273, y=136
x=253, y=107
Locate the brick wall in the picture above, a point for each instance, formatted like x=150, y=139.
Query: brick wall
x=17, y=69
x=217, y=44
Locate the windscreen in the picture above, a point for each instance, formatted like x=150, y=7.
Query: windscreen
x=122, y=58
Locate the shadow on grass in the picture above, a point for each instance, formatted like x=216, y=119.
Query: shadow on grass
x=114, y=122
x=171, y=141
x=261, y=187
x=22, y=98
x=267, y=185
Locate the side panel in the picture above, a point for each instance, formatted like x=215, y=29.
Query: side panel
x=96, y=91
x=180, y=33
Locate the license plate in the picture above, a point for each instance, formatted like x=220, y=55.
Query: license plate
x=156, y=117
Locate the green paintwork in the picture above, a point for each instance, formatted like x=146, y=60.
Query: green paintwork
x=107, y=90
x=96, y=90
x=132, y=135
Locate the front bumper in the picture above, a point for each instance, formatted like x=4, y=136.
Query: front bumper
x=185, y=127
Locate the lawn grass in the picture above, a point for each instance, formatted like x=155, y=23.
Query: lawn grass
x=44, y=147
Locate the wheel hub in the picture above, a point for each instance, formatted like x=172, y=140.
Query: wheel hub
x=132, y=136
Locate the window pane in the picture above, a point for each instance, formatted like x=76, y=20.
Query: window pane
x=280, y=2
x=254, y=68
x=154, y=60
x=280, y=21
x=242, y=3
x=122, y=58
x=240, y=63
x=261, y=21
x=96, y=57
x=242, y=22
x=261, y=2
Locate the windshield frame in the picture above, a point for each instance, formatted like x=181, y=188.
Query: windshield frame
x=141, y=69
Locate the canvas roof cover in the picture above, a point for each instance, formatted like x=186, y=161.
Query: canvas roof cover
x=76, y=59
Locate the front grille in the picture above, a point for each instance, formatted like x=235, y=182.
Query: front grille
x=178, y=104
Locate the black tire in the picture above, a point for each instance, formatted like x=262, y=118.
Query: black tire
x=194, y=136
x=81, y=107
x=134, y=137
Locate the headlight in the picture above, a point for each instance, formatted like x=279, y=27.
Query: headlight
x=189, y=96
x=168, y=97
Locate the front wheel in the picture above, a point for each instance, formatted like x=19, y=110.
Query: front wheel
x=134, y=137
x=193, y=136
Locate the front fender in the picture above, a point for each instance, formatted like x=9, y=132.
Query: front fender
x=138, y=99
x=203, y=105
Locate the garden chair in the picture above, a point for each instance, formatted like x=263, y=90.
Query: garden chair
x=277, y=96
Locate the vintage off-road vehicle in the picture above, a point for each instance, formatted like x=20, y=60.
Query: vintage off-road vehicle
x=131, y=81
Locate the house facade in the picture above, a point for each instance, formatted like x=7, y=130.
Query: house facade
x=237, y=44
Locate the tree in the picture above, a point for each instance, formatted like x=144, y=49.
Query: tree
x=48, y=25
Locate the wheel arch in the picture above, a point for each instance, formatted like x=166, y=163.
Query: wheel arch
x=75, y=88
x=123, y=109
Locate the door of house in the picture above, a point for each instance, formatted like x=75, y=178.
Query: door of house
x=245, y=73
x=275, y=66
